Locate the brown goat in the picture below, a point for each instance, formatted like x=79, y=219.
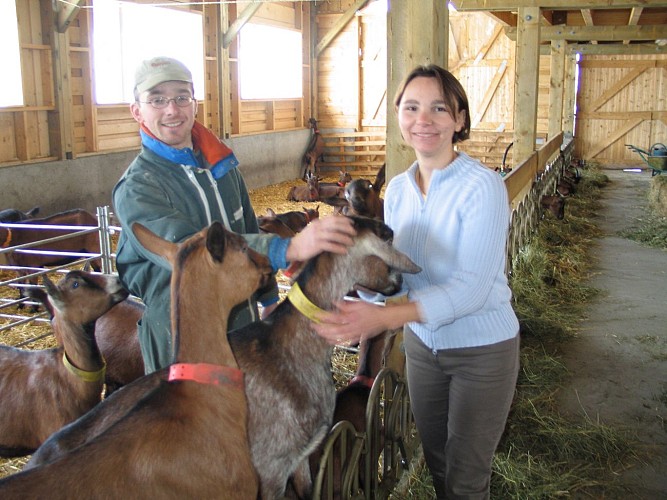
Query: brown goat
x=43, y=390
x=290, y=389
x=117, y=339
x=362, y=197
x=554, y=204
x=295, y=220
x=10, y=215
x=314, y=150
x=179, y=432
x=309, y=192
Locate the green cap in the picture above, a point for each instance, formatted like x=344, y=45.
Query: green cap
x=157, y=70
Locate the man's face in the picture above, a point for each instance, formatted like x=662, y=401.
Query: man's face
x=172, y=124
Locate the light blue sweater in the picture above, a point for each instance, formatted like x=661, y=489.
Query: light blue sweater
x=458, y=236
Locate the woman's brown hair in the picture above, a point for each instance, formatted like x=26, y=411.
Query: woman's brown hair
x=452, y=92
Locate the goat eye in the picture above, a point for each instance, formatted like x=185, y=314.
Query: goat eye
x=75, y=284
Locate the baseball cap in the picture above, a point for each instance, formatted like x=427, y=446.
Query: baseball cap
x=157, y=70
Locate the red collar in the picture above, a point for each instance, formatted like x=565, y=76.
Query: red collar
x=8, y=239
x=206, y=373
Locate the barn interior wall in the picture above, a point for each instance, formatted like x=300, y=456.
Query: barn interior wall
x=86, y=182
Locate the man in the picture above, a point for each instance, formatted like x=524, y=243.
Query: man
x=183, y=179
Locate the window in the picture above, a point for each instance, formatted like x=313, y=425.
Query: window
x=124, y=34
x=270, y=62
x=12, y=88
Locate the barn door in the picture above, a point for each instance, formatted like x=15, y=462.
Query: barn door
x=620, y=101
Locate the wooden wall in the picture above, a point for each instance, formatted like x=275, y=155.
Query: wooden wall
x=60, y=119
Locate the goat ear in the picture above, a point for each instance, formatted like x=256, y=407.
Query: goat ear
x=51, y=289
x=40, y=295
x=215, y=241
x=153, y=243
x=87, y=267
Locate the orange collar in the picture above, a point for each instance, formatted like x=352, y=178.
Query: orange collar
x=8, y=240
x=205, y=373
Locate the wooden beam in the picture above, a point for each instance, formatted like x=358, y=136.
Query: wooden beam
x=526, y=82
x=615, y=49
x=240, y=22
x=67, y=12
x=338, y=27
x=556, y=87
x=569, y=95
x=494, y=5
x=635, y=14
x=599, y=33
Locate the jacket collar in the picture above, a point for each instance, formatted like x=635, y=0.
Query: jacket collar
x=218, y=157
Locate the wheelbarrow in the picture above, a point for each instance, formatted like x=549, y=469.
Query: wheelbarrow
x=655, y=157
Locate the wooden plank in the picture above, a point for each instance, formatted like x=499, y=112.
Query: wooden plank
x=526, y=86
x=619, y=85
x=339, y=26
x=556, y=90
x=239, y=22
x=617, y=134
x=490, y=92
x=546, y=152
x=494, y=5
x=67, y=12
x=599, y=33
x=520, y=179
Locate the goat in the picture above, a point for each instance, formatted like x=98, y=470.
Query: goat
x=87, y=242
x=351, y=403
x=275, y=226
x=295, y=220
x=554, y=204
x=343, y=178
x=179, y=432
x=362, y=197
x=10, y=215
x=287, y=366
x=309, y=192
x=314, y=151
x=117, y=339
x=43, y=390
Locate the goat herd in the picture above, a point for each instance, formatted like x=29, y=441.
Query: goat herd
x=235, y=416
x=238, y=415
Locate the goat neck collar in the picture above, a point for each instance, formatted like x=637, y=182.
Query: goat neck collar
x=205, y=373
x=8, y=239
x=303, y=305
x=86, y=376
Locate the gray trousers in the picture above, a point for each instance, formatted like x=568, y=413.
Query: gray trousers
x=460, y=400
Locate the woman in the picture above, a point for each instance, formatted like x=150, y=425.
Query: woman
x=450, y=215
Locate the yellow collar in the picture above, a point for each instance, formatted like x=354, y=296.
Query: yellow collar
x=303, y=305
x=97, y=376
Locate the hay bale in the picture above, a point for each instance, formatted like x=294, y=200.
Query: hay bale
x=657, y=195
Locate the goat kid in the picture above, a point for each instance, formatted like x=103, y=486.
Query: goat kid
x=289, y=385
x=43, y=390
x=555, y=204
x=179, y=432
x=362, y=197
x=295, y=220
x=117, y=339
x=309, y=192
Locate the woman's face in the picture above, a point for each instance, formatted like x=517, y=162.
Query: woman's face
x=173, y=124
x=425, y=122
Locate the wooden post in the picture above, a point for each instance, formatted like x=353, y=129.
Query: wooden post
x=556, y=87
x=224, y=70
x=417, y=33
x=569, y=94
x=526, y=82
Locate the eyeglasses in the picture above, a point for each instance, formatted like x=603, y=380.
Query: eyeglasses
x=162, y=102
